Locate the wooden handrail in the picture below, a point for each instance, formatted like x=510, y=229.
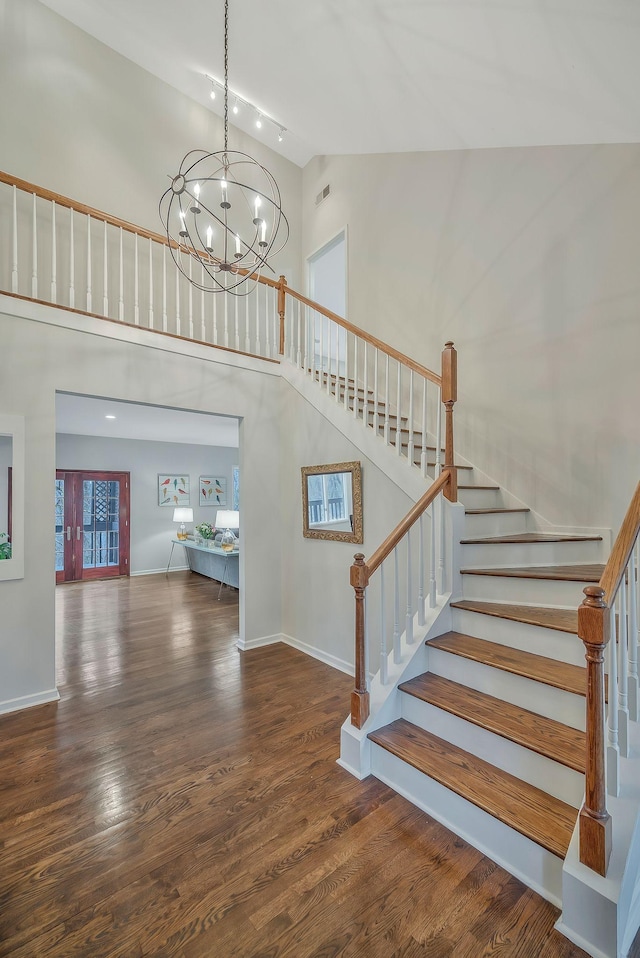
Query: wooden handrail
x=359, y=576
x=367, y=337
x=77, y=207
x=386, y=548
x=594, y=628
x=625, y=541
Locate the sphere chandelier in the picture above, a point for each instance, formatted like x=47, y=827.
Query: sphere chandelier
x=223, y=214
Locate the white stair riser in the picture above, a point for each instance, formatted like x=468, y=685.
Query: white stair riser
x=523, y=858
x=565, y=707
x=521, y=591
x=484, y=554
x=495, y=524
x=538, y=770
x=564, y=646
x=480, y=498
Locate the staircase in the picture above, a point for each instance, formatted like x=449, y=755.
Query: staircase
x=490, y=736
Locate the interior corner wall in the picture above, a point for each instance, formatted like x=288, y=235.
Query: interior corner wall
x=43, y=359
x=81, y=120
x=317, y=598
x=151, y=525
x=527, y=258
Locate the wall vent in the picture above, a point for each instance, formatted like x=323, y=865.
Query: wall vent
x=322, y=195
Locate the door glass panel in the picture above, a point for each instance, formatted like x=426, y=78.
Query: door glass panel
x=100, y=523
x=59, y=525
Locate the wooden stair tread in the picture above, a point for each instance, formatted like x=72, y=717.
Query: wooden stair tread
x=562, y=620
x=529, y=665
x=494, y=511
x=590, y=572
x=533, y=537
x=539, y=816
x=556, y=741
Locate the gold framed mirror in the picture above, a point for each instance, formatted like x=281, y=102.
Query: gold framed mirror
x=332, y=502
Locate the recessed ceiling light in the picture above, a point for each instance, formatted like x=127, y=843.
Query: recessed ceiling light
x=109, y=417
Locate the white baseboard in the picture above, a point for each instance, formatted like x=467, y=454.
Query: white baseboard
x=174, y=568
x=28, y=701
x=246, y=644
x=319, y=654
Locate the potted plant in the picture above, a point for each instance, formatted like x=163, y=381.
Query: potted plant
x=206, y=531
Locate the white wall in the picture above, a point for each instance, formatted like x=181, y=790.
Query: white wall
x=317, y=598
x=89, y=361
x=80, y=119
x=528, y=260
x=151, y=525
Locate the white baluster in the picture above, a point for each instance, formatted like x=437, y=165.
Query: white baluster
x=304, y=332
x=375, y=400
x=34, y=252
x=410, y=438
x=258, y=352
x=164, y=289
x=190, y=300
x=89, y=290
x=14, y=245
x=355, y=376
x=54, y=255
x=178, y=320
x=215, y=319
x=421, y=575
x=397, y=652
x=432, y=556
x=151, y=325
x=623, y=672
x=367, y=656
x=105, y=273
x=72, y=263
x=423, y=454
x=633, y=637
x=203, y=309
x=365, y=384
x=329, y=360
x=121, y=276
x=321, y=353
x=247, y=335
x=300, y=360
x=338, y=376
x=237, y=322
x=386, y=399
x=409, y=615
x=384, y=663
x=398, y=410
x=347, y=375
x=613, y=748
x=438, y=465
x=136, y=282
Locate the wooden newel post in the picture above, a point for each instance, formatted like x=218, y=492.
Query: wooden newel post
x=595, y=821
x=281, y=310
x=449, y=397
x=359, y=578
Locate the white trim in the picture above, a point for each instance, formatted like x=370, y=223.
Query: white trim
x=28, y=701
x=245, y=645
x=352, y=770
x=174, y=568
x=341, y=664
x=581, y=942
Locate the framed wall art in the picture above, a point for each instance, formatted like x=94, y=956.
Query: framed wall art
x=173, y=490
x=213, y=491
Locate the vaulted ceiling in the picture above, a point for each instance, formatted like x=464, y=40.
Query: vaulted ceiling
x=379, y=76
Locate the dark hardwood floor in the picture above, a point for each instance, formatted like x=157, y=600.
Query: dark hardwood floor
x=183, y=800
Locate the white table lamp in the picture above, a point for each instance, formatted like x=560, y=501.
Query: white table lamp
x=182, y=514
x=227, y=519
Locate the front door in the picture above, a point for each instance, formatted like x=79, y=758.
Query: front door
x=92, y=525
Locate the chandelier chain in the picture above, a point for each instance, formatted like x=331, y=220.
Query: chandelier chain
x=226, y=75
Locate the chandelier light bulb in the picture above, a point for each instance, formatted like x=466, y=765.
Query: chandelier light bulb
x=281, y=134
x=256, y=210
x=213, y=93
x=209, y=239
x=236, y=108
x=259, y=122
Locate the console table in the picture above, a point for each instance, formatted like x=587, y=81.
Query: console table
x=211, y=561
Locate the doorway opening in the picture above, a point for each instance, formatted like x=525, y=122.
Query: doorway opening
x=327, y=285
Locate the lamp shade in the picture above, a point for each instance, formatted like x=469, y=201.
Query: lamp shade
x=182, y=514
x=227, y=519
